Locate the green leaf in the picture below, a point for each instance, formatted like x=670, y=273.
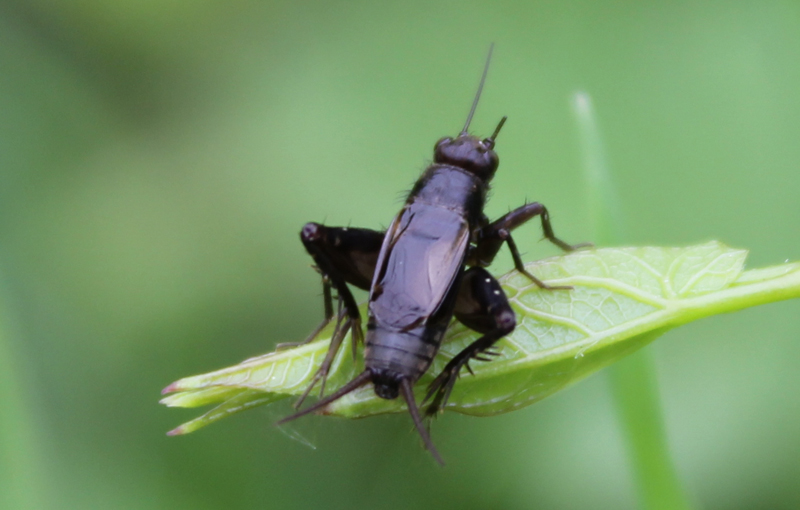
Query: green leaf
x=623, y=298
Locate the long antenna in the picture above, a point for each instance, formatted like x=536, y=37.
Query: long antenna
x=408, y=395
x=489, y=142
x=480, y=89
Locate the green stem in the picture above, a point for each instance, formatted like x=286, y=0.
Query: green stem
x=635, y=391
x=18, y=459
x=633, y=382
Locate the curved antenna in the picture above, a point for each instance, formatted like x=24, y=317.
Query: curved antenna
x=356, y=383
x=480, y=89
x=408, y=395
x=489, y=142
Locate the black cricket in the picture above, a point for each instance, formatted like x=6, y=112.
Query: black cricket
x=427, y=267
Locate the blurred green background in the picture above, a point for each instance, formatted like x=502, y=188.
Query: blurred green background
x=158, y=158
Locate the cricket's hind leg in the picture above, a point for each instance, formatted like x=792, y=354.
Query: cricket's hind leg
x=343, y=256
x=327, y=301
x=481, y=306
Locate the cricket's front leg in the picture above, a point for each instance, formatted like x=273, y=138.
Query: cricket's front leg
x=490, y=239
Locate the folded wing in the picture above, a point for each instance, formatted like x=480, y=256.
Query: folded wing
x=422, y=254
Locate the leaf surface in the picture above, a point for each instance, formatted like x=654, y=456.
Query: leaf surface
x=622, y=299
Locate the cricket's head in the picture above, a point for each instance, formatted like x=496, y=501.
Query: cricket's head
x=471, y=153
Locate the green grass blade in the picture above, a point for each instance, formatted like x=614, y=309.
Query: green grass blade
x=623, y=299
x=21, y=479
x=636, y=395
x=633, y=382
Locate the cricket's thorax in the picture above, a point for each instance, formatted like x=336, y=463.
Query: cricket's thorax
x=452, y=188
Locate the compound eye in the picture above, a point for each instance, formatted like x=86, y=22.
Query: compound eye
x=442, y=141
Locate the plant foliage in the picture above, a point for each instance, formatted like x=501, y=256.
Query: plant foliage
x=623, y=299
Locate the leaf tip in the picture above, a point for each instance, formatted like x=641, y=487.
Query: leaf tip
x=177, y=431
x=171, y=388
